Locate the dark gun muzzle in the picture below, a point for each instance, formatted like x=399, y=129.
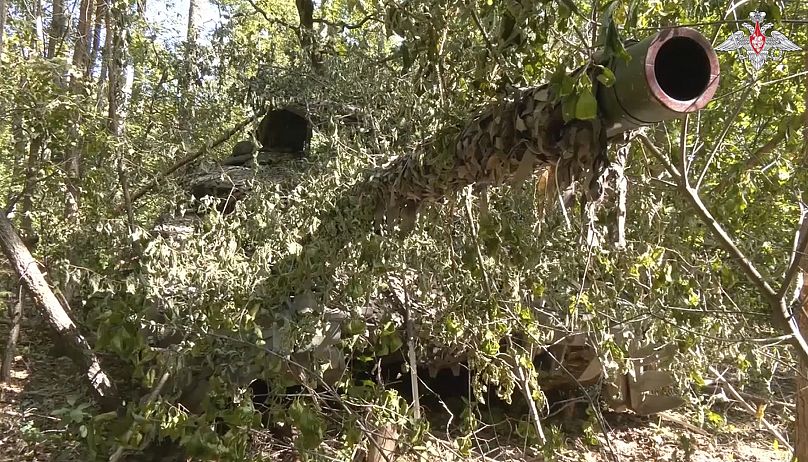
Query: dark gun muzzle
x=671, y=73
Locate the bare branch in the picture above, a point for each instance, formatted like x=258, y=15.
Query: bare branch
x=725, y=384
x=723, y=135
x=780, y=310
x=800, y=241
x=683, y=148
x=764, y=150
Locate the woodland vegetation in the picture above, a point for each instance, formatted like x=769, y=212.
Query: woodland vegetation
x=380, y=230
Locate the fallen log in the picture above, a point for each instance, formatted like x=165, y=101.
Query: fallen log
x=76, y=346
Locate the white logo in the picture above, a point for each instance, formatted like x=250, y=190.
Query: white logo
x=758, y=46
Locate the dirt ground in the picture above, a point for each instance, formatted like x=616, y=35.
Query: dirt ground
x=42, y=384
x=666, y=441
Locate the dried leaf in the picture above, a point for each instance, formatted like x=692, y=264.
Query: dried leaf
x=526, y=167
x=545, y=192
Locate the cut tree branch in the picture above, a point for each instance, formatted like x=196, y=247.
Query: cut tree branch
x=77, y=348
x=683, y=148
x=191, y=157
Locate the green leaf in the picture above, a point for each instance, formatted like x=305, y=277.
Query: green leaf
x=567, y=85
x=356, y=327
x=570, y=5
x=614, y=45
x=633, y=11
x=394, y=342
x=586, y=108
x=568, y=104
x=606, y=76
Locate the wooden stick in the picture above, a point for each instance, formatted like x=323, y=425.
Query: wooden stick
x=192, y=156
x=776, y=433
x=42, y=297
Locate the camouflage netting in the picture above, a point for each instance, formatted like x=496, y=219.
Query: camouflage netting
x=309, y=306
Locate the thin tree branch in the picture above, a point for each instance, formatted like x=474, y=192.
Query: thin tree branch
x=725, y=384
x=781, y=79
x=764, y=150
x=800, y=241
x=726, y=241
x=780, y=310
x=344, y=25
x=753, y=161
x=480, y=27
x=191, y=157
x=321, y=382
x=695, y=24
x=263, y=13
x=399, y=295
x=527, y=390
x=723, y=135
x=683, y=149
x=116, y=456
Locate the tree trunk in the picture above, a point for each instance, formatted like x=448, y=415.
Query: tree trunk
x=30, y=189
x=187, y=80
x=305, y=12
x=105, y=56
x=13, y=335
x=29, y=148
x=189, y=72
x=58, y=28
x=100, y=14
x=76, y=347
x=3, y=8
x=801, y=448
x=30, y=152
x=80, y=57
x=38, y=40
x=136, y=99
x=120, y=92
x=80, y=51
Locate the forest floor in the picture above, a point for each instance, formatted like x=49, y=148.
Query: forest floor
x=42, y=384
